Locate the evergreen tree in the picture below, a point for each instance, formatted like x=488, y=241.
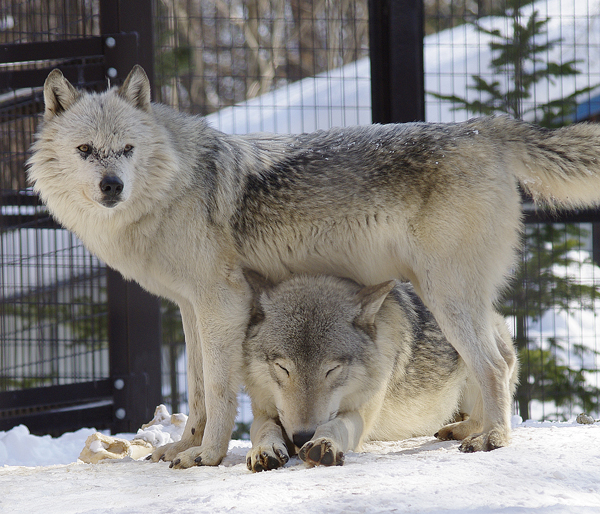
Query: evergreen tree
x=521, y=58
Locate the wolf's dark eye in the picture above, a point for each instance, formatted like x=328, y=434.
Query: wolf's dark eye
x=127, y=149
x=85, y=149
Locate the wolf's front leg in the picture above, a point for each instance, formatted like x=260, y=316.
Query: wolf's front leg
x=221, y=314
x=332, y=439
x=269, y=450
x=222, y=321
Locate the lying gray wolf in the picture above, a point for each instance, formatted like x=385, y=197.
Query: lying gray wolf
x=329, y=364
x=181, y=208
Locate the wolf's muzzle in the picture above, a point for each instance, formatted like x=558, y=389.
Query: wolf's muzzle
x=111, y=188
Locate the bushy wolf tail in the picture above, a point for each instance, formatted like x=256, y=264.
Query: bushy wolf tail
x=560, y=167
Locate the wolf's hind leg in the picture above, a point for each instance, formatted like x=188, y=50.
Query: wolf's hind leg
x=472, y=402
x=474, y=425
x=471, y=419
x=459, y=430
x=469, y=326
x=506, y=348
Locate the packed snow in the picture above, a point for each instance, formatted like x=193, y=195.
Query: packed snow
x=549, y=467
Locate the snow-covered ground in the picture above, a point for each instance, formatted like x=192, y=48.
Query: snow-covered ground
x=549, y=468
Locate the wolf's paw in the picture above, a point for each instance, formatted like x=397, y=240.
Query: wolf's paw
x=321, y=452
x=485, y=442
x=169, y=451
x=457, y=431
x=198, y=456
x=184, y=454
x=263, y=458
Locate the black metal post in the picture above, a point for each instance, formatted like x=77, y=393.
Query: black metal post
x=135, y=352
x=596, y=243
x=128, y=17
x=396, y=49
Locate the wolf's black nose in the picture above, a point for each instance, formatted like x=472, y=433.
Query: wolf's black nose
x=301, y=438
x=111, y=186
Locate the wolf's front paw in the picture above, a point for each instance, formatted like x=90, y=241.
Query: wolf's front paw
x=485, y=442
x=321, y=452
x=198, y=456
x=169, y=451
x=264, y=458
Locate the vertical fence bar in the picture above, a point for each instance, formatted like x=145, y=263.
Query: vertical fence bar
x=135, y=346
x=396, y=49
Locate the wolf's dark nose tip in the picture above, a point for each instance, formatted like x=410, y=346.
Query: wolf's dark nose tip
x=301, y=438
x=111, y=186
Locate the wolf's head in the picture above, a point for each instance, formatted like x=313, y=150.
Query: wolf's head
x=95, y=149
x=311, y=348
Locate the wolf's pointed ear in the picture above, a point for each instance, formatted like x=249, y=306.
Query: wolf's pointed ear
x=259, y=285
x=59, y=94
x=136, y=88
x=370, y=299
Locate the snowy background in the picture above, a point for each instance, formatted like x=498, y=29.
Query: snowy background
x=342, y=97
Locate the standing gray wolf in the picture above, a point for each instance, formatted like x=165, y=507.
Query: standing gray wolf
x=181, y=208
x=329, y=364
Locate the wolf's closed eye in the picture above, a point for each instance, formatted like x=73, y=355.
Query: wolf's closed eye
x=332, y=370
x=280, y=366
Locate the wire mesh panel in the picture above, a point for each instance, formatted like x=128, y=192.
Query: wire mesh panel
x=53, y=310
x=539, y=61
x=254, y=54
x=553, y=308
x=53, y=313
x=28, y=21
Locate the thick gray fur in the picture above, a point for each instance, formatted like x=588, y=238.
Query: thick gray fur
x=330, y=365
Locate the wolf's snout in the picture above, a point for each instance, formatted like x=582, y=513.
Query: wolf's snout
x=111, y=188
x=301, y=438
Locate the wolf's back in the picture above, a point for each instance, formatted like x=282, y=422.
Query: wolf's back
x=560, y=167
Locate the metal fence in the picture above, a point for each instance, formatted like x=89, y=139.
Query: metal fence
x=289, y=66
